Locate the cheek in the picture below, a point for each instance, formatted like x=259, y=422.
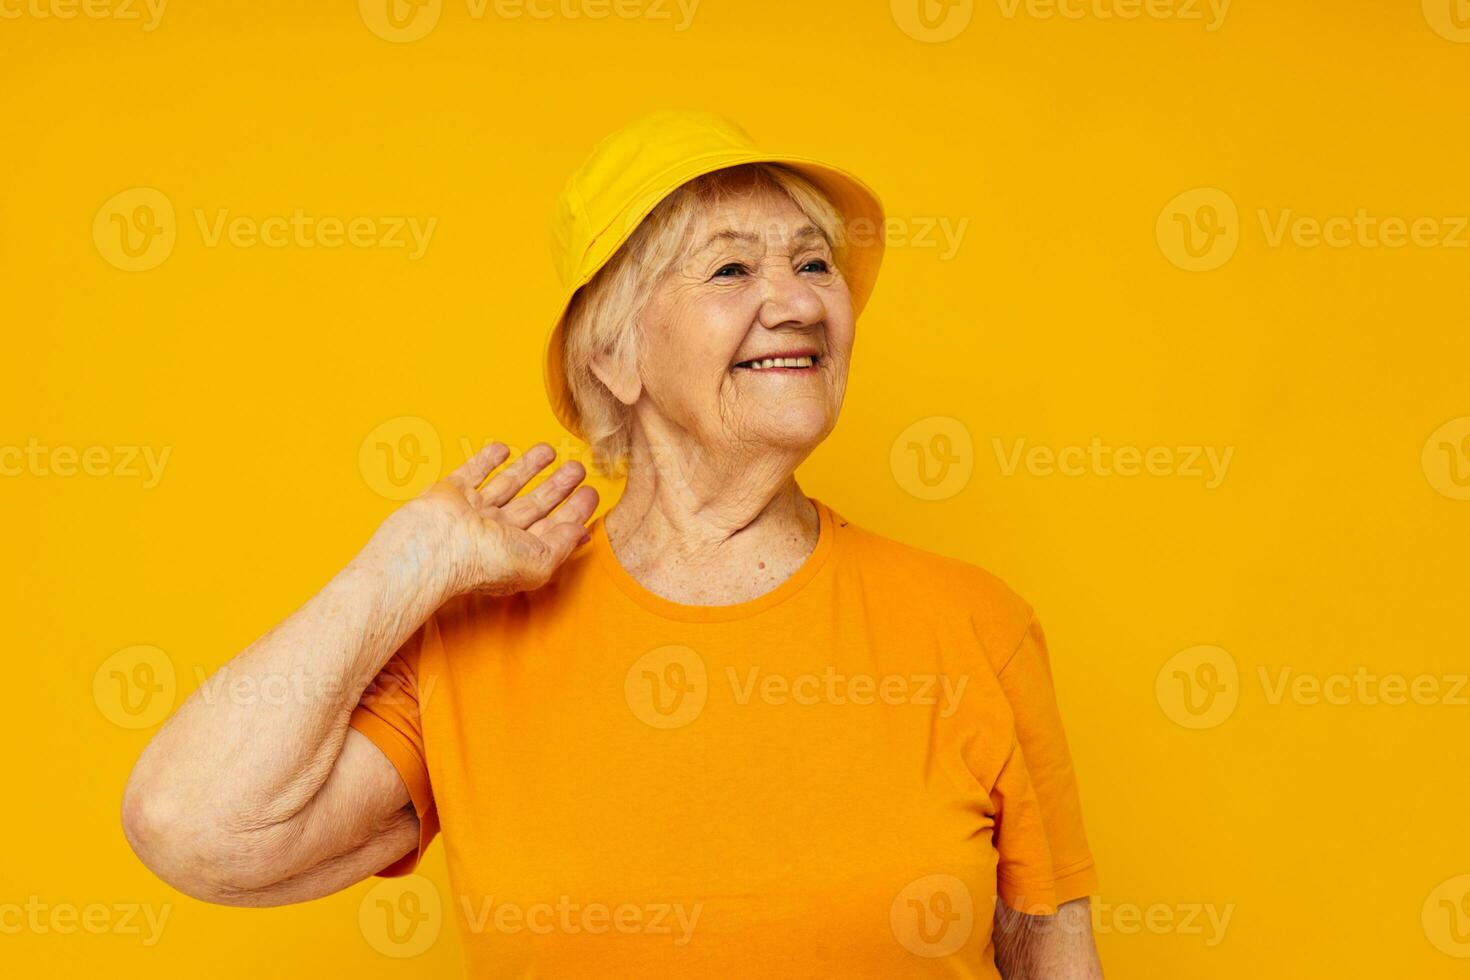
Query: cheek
x=711, y=330
x=839, y=323
x=697, y=338
x=836, y=297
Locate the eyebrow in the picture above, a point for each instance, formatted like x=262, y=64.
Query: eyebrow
x=806, y=231
x=729, y=235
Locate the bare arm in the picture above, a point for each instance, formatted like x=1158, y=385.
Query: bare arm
x=1047, y=947
x=265, y=800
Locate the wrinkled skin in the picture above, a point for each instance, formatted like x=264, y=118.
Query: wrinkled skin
x=712, y=512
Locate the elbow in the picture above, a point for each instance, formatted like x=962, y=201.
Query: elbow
x=149, y=819
x=160, y=828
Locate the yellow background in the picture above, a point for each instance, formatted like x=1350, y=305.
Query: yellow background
x=1335, y=540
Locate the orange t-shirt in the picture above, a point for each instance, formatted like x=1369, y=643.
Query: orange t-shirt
x=837, y=778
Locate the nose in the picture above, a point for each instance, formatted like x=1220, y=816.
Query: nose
x=789, y=300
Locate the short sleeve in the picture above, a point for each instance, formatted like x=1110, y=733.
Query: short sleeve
x=1027, y=681
x=389, y=714
x=1024, y=871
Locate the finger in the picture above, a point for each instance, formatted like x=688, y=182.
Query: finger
x=508, y=482
x=529, y=508
x=575, y=510
x=467, y=475
x=562, y=538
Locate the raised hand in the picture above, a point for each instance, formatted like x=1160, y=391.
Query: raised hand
x=487, y=539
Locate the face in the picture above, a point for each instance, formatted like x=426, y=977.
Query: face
x=757, y=282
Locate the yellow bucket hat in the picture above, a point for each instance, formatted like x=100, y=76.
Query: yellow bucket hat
x=635, y=168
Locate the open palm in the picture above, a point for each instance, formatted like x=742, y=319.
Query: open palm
x=497, y=542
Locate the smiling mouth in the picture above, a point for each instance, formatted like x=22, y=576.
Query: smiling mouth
x=802, y=362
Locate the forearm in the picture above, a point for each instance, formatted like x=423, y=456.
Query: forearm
x=248, y=797
x=1047, y=947
x=254, y=745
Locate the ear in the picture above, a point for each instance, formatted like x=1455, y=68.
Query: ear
x=618, y=371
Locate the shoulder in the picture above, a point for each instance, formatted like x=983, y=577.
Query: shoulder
x=940, y=585
x=945, y=577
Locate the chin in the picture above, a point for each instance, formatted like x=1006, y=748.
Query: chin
x=795, y=428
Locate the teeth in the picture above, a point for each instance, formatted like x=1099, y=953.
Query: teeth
x=791, y=362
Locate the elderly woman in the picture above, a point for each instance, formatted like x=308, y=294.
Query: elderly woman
x=719, y=731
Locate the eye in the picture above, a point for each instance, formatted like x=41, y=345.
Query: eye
x=730, y=270
x=816, y=265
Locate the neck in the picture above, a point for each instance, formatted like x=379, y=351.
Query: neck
x=710, y=527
